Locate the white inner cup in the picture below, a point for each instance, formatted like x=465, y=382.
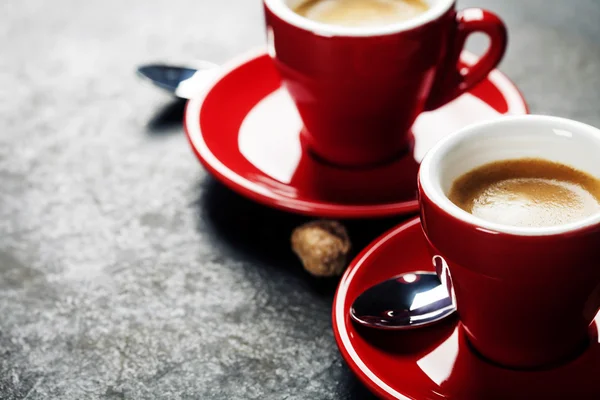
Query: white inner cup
x=284, y=10
x=529, y=136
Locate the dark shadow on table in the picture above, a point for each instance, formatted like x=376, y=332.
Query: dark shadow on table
x=246, y=231
x=251, y=231
x=350, y=388
x=168, y=119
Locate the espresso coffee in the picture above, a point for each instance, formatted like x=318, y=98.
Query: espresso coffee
x=527, y=193
x=361, y=13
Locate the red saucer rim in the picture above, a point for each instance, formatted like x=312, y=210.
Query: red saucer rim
x=342, y=338
x=514, y=99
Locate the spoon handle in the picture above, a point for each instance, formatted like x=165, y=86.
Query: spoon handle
x=184, y=81
x=195, y=86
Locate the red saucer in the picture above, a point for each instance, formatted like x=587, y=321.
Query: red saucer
x=245, y=131
x=437, y=362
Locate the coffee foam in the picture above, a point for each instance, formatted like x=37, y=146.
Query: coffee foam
x=361, y=13
x=527, y=193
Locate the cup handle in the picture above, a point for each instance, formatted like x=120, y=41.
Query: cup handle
x=456, y=80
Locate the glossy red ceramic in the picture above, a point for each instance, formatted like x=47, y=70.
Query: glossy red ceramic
x=525, y=301
x=437, y=362
x=358, y=96
x=245, y=130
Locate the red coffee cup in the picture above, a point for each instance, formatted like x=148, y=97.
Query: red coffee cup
x=359, y=90
x=526, y=296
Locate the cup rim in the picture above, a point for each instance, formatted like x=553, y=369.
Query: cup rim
x=431, y=187
x=283, y=11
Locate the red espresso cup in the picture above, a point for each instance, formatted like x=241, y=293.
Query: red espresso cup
x=360, y=89
x=526, y=296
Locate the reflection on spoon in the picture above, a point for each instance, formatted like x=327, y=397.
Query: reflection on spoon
x=407, y=301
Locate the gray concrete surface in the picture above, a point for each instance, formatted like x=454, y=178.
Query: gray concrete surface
x=126, y=272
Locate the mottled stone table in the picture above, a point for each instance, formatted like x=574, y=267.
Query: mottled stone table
x=126, y=272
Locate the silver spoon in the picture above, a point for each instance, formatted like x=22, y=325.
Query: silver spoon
x=185, y=82
x=407, y=301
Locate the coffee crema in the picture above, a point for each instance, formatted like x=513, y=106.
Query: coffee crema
x=527, y=192
x=361, y=13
